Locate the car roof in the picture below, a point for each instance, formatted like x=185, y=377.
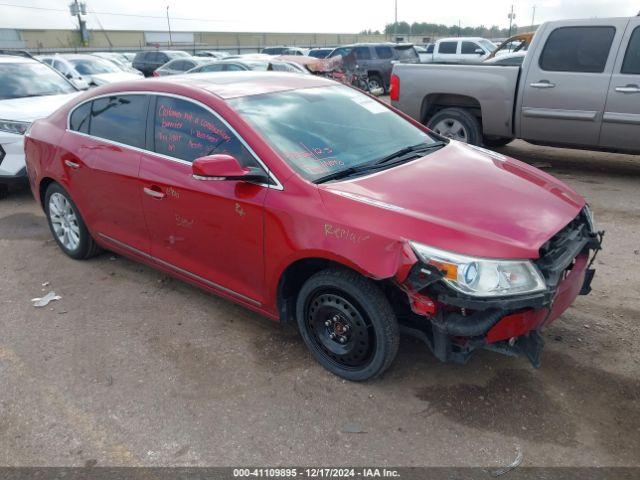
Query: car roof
x=226, y=85
x=15, y=59
x=76, y=56
x=451, y=39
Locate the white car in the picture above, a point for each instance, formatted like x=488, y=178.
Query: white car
x=96, y=71
x=462, y=50
x=119, y=60
x=29, y=90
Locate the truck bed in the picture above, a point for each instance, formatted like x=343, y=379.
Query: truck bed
x=491, y=88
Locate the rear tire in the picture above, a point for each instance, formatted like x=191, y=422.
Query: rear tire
x=457, y=124
x=67, y=226
x=348, y=324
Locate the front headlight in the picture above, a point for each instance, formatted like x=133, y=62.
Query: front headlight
x=590, y=219
x=483, y=277
x=12, y=126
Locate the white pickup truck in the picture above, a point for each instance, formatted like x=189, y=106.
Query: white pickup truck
x=579, y=86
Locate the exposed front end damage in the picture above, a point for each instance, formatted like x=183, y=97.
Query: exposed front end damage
x=454, y=325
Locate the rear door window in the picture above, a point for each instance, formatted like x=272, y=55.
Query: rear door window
x=577, y=49
x=384, y=53
x=363, y=53
x=631, y=63
x=448, y=48
x=120, y=118
x=187, y=131
x=80, y=117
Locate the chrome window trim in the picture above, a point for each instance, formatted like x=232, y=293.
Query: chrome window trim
x=179, y=270
x=277, y=186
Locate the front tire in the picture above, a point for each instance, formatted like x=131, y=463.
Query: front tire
x=348, y=324
x=67, y=226
x=457, y=124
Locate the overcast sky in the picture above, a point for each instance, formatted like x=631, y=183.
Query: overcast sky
x=299, y=15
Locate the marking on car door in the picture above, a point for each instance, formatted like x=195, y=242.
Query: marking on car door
x=239, y=210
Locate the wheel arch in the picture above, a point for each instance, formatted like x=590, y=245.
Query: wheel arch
x=296, y=273
x=434, y=102
x=42, y=189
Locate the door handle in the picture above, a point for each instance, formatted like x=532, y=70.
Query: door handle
x=154, y=192
x=71, y=164
x=628, y=89
x=543, y=84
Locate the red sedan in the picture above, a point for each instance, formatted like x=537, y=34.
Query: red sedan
x=310, y=202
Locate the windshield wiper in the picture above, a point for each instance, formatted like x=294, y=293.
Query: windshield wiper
x=420, y=147
x=399, y=157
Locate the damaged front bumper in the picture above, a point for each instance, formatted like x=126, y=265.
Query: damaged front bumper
x=459, y=325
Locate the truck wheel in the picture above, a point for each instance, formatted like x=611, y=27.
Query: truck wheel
x=495, y=142
x=348, y=324
x=66, y=224
x=375, y=81
x=457, y=124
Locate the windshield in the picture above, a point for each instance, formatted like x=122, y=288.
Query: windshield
x=406, y=53
x=177, y=54
x=26, y=79
x=489, y=46
x=85, y=66
x=322, y=131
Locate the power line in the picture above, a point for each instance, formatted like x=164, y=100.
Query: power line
x=114, y=14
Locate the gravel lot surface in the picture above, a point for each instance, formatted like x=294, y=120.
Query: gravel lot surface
x=132, y=367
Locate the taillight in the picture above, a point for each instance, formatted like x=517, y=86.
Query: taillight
x=394, y=89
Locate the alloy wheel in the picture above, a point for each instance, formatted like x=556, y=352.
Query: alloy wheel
x=451, y=128
x=64, y=221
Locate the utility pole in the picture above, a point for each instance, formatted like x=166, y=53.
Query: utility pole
x=511, y=17
x=169, y=25
x=533, y=17
x=77, y=10
x=395, y=23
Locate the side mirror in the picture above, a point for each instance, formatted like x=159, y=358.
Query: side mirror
x=479, y=51
x=69, y=76
x=225, y=167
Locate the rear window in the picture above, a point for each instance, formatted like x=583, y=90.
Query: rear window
x=577, y=49
x=384, y=53
x=631, y=64
x=406, y=53
x=448, y=48
x=120, y=118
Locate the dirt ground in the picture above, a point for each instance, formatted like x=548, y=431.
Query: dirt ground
x=132, y=367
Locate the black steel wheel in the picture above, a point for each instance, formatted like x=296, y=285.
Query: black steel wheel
x=348, y=324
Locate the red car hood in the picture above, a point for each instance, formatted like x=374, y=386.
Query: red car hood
x=459, y=198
